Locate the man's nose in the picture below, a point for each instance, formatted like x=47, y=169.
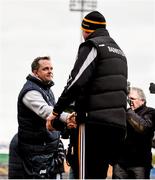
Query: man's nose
x=50, y=70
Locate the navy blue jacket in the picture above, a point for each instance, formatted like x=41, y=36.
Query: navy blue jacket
x=32, y=128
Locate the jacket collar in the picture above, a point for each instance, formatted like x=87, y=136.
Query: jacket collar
x=39, y=82
x=98, y=32
x=140, y=108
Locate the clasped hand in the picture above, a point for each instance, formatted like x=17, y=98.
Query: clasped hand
x=71, y=121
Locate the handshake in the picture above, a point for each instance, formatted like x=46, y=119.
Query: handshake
x=70, y=121
x=152, y=88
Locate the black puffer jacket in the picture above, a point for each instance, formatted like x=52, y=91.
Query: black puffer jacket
x=98, y=82
x=140, y=131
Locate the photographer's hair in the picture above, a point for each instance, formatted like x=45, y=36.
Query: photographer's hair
x=35, y=64
x=140, y=93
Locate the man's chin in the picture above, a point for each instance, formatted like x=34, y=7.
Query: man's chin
x=47, y=81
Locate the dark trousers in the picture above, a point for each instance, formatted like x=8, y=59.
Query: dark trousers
x=102, y=145
x=15, y=168
x=130, y=172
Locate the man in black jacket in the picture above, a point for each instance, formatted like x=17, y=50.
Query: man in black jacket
x=136, y=158
x=98, y=86
x=40, y=150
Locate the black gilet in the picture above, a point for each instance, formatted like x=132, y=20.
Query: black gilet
x=32, y=128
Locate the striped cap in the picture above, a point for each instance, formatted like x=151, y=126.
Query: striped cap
x=93, y=21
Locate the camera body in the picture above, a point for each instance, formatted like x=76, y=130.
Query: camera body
x=152, y=88
x=129, y=101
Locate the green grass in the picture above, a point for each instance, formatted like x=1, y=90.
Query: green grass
x=153, y=159
x=4, y=158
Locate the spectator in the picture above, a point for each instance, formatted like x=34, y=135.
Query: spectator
x=136, y=158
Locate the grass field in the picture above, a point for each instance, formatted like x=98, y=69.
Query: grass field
x=3, y=165
x=4, y=158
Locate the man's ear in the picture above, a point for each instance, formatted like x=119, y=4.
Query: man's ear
x=35, y=73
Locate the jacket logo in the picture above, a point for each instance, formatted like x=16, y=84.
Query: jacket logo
x=115, y=50
x=101, y=45
x=42, y=171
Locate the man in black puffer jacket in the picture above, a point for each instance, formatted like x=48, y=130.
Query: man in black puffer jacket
x=98, y=86
x=136, y=157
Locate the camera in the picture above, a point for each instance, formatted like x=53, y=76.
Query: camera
x=152, y=88
x=129, y=101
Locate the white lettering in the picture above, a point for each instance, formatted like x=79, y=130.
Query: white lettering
x=101, y=45
x=42, y=171
x=115, y=50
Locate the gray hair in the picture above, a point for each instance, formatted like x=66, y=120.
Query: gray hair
x=140, y=93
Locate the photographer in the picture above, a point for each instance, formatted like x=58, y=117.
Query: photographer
x=136, y=158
